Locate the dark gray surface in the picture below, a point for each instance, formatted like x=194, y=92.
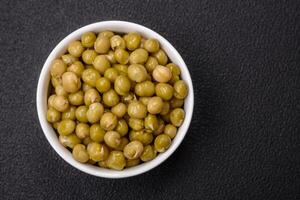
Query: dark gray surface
x=244, y=140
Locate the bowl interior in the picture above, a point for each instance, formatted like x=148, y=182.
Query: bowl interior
x=44, y=81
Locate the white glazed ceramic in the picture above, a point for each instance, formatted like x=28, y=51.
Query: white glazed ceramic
x=43, y=85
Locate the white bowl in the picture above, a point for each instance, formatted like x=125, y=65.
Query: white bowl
x=42, y=93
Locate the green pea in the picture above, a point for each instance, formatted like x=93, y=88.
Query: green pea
x=162, y=142
x=151, y=122
x=136, y=124
x=148, y=154
x=122, y=127
x=69, y=140
x=53, y=115
x=122, y=85
x=145, y=89
x=116, y=160
x=80, y=153
x=111, y=74
x=121, y=56
x=88, y=56
x=111, y=98
x=97, y=133
x=66, y=127
x=88, y=39
x=101, y=63
x=164, y=90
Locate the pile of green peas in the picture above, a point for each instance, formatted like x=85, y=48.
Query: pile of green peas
x=115, y=99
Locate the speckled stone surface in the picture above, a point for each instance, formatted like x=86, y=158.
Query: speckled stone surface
x=244, y=140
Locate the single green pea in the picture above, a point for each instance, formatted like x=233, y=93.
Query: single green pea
x=80, y=153
x=170, y=130
x=111, y=74
x=136, y=124
x=90, y=76
x=116, y=160
x=145, y=89
x=137, y=109
x=119, y=110
x=162, y=74
x=177, y=116
x=122, y=85
x=60, y=103
x=80, y=114
x=137, y=73
x=138, y=56
x=97, y=152
x=117, y=42
x=122, y=127
x=76, y=98
x=53, y=115
x=75, y=48
x=102, y=45
x=58, y=67
x=149, y=153
x=121, y=56
x=66, y=127
x=133, y=150
x=88, y=56
x=164, y=90
x=180, y=89
x=101, y=63
x=151, y=64
x=103, y=84
x=82, y=130
x=155, y=105
x=91, y=96
x=151, y=122
x=112, y=139
x=108, y=121
x=97, y=133
x=71, y=82
x=88, y=39
x=69, y=114
x=162, y=142
x=161, y=57
x=151, y=45
x=132, y=40
x=69, y=140
x=95, y=112
x=111, y=98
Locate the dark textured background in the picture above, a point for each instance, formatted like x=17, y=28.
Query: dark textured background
x=244, y=140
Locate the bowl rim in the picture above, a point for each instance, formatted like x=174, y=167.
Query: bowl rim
x=44, y=81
